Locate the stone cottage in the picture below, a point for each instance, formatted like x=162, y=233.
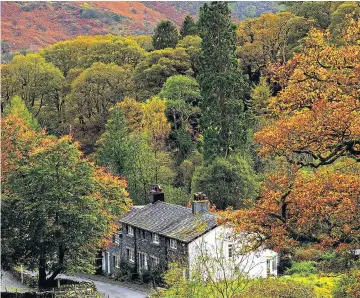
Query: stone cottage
x=159, y=234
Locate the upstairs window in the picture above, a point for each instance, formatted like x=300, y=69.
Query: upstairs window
x=155, y=238
x=130, y=230
x=116, y=238
x=142, y=234
x=173, y=244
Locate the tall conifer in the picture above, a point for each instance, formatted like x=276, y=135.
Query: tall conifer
x=221, y=83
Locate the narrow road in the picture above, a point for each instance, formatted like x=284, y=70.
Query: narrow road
x=109, y=290
x=10, y=284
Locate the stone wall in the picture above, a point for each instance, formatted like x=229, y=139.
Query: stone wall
x=162, y=250
x=68, y=288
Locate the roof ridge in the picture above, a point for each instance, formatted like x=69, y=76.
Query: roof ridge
x=172, y=204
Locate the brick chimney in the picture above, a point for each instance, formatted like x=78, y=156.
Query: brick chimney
x=200, y=203
x=157, y=193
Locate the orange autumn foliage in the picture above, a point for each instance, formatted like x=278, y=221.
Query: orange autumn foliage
x=16, y=141
x=314, y=195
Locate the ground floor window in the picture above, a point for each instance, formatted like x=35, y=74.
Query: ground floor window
x=117, y=261
x=271, y=265
x=142, y=260
x=154, y=261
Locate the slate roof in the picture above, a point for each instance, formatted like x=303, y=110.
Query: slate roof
x=170, y=220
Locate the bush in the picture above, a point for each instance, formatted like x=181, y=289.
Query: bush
x=302, y=268
x=348, y=286
x=336, y=263
x=125, y=273
x=307, y=254
x=277, y=288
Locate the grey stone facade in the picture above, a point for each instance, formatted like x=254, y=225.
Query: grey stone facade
x=142, y=241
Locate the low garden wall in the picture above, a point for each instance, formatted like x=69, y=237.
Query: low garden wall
x=67, y=288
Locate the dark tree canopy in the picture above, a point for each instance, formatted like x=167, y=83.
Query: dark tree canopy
x=166, y=35
x=188, y=27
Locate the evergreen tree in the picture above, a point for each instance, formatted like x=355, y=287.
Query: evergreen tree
x=166, y=35
x=113, y=144
x=221, y=83
x=188, y=27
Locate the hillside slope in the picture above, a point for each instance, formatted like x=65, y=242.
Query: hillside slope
x=33, y=25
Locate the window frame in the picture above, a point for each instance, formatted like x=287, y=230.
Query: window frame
x=130, y=230
x=130, y=252
x=154, y=235
x=172, y=242
x=155, y=261
x=117, y=238
x=117, y=261
x=145, y=265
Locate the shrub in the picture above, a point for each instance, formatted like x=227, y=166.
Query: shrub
x=125, y=273
x=348, y=286
x=277, y=288
x=336, y=263
x=307, y=254
x=302, y=268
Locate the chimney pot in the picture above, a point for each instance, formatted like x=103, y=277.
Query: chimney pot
x=200, y=203
x=157, y=193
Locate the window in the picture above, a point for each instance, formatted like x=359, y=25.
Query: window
x=271, y=265
x=130, y=230
x=142, y=260
x=230, y=250
x=155, y=238
x=173, y=244
x=117, y=261
x=154, y=261
x=141, y=234
x=130, y=255
x=116, y=238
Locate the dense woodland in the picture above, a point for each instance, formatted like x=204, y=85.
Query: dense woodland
x=262, y=115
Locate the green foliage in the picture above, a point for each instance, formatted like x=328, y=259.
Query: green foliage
x=125, y=273
x=39, y=84
x=144, y=41
x=83, y=51
x=188, y=27
x=137, y=152
x=182, y=96
x=17, y=108
x=340, y=19
x=221, y=82
x=54, y=199
x=260, y=96
x=180, y=87
x=348, y=286
x=227, y=182
x=93, y=93
x=320, y=11
x=302, y=268
x=113, y=143
x=165, y=36
x=151, y=74
x=277, y=288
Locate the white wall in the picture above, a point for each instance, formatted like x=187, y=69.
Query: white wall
x=210, y=254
